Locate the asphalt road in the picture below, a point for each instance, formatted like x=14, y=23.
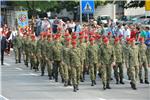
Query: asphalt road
x=20, y=83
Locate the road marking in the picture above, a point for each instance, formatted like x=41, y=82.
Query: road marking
x=3, y=98
x=6, y=64
x=33, y=74
x=18, y=68
x=101, y=99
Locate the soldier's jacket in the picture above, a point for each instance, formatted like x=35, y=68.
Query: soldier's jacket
x=126, y=52
x=57, y=51
x=38, y=46
x=49, y=50
x=43, y=48
x=33, y=48
x=27, y=45
x=148, y=54
x=119, y=53
x=142, y=52
x=82, y=47
x=107, y=54
x=133, y=56
x=65, y=54
x=92, y=54
x=75, y=57
x=17, y=42
x=111, y=41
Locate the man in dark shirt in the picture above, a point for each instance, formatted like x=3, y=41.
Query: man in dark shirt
x=3, y=47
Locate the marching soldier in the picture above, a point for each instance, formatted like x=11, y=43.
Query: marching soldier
x=17, y=43
x=107, y=56
x=119, y=61
x=75, y=58
x=57, y=57
x=143, y=61
x=92, y=60
x=66, y=62
x=134, y=63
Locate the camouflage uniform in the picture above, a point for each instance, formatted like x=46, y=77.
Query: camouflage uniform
x=107, y=56
x=75, y=63
x=148, y=54
x=57, y=58
x=17, y=43
x=143, y=62
x=92, y=61
x=134, y=64
x=119, y=61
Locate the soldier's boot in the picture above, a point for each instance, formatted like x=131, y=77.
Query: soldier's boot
x=50, y=77
x=92, y=83
x=56, y=79
x=104, y=86
x=66, y=83
x=69, y=83
x=77, y=87
x=134, y=86
x=62, y=80
x=121, y=81
x=16, y=61
x=74, y=88
x=117, y=81
x=107, y=86
x=141, y=80
x=146, y=82
x=42, y=73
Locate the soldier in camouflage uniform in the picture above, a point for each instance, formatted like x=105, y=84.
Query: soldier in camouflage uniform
x=57, y=57
x=33, y=59
x=107, y=56
x=17, y=43
x=133, y=63
x=49, y=55
x=66, y=62
x=82, y=47
x=75, y=63
x=143, y=61
x=119, y=61
x=92, y=60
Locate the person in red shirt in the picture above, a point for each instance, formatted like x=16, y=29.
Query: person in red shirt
x=133, y=32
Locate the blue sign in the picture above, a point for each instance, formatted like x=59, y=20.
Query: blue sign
x=87, y=6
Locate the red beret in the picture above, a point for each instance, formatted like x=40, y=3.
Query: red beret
x=68, y=39
x=105, y=40
x=98, y=36
x=86, y=36
x=91, y=33
x=74, y=37
x=66, y=34
x=80, y=33
x=127, y=39
x=91, y=39
x=117, y=39
x=74, y=42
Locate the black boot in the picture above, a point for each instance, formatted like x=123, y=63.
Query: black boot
x=56, y=79
x=42, y=74
x=92, y=83
x=62, y=80
x=107, y=86
x=104, y=86
x=117, y=81
x=69, y=83
x=50, y=77
x=134, y=86
x=141, y=80
x=74, y=88
x=121, y=81
x=66, y=83
x=146, y=82
x=77, y=87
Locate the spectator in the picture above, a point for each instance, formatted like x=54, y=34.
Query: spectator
x=3, y=47
x=127, y=32
x=55, y=24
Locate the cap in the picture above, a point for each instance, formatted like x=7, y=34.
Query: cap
x=74, y=42
x=141, y=39
x=74, y=37
x=117, y=39
x=92, y=39
x=105, y=40
x=66, y=34
x=80, y=33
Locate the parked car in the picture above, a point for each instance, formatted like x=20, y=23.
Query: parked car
x=103, y=19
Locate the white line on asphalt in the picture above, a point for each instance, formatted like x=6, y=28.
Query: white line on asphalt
x=3, y=98
x=33, y=74
x=6, y=64
x=18, y=68
x=101, y=99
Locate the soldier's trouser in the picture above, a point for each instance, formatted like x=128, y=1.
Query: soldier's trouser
x=145, y=66
x=105, y=73
x=43, y=64
x=27, y=58
x=24, y=57
x=49, y=68
x=148, y=55
x=70, y=74
x=16, y=54
x=134, y=72
x=82, y=69
x=75, y=75
x=93, y=71
x=120, y=74
x=56, y=67
x=61, y=70
x=19, y=55
x=66, y=72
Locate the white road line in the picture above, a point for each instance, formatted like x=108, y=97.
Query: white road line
x=18, y=68
x=6, y=64
x=101, y=99
x=3, y=98
x=33, y=74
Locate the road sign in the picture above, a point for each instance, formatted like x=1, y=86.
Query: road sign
x=147, y=5
x=87, y=6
